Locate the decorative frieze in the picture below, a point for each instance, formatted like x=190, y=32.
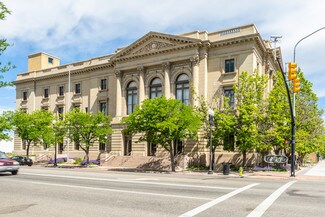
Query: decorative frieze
x=153, y=46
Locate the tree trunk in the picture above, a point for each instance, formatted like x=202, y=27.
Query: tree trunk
x=172, y=161
x=27, y=149
x=87, y=155
x=244, y=158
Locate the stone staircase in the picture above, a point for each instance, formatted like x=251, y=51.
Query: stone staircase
x=137, y=162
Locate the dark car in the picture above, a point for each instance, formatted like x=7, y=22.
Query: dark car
x=7, y=164
x=23, y=160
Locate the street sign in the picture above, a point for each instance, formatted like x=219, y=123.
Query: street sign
x=277, y=159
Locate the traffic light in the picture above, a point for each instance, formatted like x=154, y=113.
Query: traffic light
x=292, y=71
x=296, y=85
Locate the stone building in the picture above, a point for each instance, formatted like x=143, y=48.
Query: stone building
x=154, y=65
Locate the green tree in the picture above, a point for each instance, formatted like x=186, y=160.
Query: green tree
x=5, y=126
x=87, y=128
x=275, y=127
x=309, y=122
x=3, y=46
x=163, y=121
x=249, y=93
x=31, y=126
x=223, y=125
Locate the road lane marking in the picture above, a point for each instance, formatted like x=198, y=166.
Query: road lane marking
x=130, y=181
x=206, y=206
x=122, y=191
x=260, y=209
x=139, y=179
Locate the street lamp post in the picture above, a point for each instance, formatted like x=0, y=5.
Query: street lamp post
x=55, y=145
x=294, y=50
x=211, y=122
x=293, y=158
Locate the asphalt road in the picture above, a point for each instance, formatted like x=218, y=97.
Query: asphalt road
x=46, y=192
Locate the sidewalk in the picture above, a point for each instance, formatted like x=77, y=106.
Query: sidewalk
x=312, y=172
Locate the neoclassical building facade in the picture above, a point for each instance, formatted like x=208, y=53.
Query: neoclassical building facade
x=154, y=65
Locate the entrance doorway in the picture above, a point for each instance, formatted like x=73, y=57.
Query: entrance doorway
x=127, y=145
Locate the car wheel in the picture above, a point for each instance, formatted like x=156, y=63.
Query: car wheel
x=14, y=172
x=30, y=165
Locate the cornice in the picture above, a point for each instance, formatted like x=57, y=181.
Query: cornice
x=64, y=74
x=237, y=40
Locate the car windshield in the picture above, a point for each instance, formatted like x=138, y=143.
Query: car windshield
x=2, y=155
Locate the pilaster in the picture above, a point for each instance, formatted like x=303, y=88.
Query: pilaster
x=195, y=74
x=166, y=70
x=140, y=70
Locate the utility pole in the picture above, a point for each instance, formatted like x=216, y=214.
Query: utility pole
x=275, y=39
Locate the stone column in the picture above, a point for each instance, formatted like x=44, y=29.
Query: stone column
x=204, y=84
x=118, y=105
x=141, y=84
x=166, y=69
x=195, y=75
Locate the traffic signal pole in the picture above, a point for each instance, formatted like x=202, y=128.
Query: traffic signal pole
x=293, y=121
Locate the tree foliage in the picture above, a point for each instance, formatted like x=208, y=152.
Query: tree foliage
x=87, y=128
x=309, y=122
x=249, y=93
x=162, y=121
x=30, y=127
x=5, y=126
x=3, y=46
x=275, y=127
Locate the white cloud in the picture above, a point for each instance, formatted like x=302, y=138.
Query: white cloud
x=7, y=146
x=2, y=109
x=70, y=28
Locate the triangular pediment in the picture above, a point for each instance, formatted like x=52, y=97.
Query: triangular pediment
x=154, y=42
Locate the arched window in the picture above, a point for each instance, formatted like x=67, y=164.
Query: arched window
x=182, y=88
x=155, y=88
x=132, y=96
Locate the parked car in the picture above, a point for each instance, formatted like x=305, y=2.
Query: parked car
x=7, y=164
x=23, y=160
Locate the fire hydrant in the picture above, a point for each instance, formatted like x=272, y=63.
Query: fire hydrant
x=240, y=171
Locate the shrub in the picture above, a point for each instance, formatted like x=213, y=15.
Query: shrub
x=91, y=162
x=58, y=160
x=78, y=161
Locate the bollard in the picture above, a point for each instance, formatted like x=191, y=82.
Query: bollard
x=240, y=171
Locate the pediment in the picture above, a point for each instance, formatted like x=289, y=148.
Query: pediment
x=154, y=43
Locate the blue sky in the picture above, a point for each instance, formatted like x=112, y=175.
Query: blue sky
x=75, y=30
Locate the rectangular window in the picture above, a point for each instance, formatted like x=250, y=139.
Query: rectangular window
x=127, y=145
x=178, y=147
x=76, y=146
x=78, y=88
x=230, y=95
x=230, y=65
x=46, y=93
x=103, y=84
x=61, y=90
x=103, y=107
x=60, y=112
x=86, y=109
x=25, y=95
x=50, y=60
x=102, y=146
x=24, y=144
